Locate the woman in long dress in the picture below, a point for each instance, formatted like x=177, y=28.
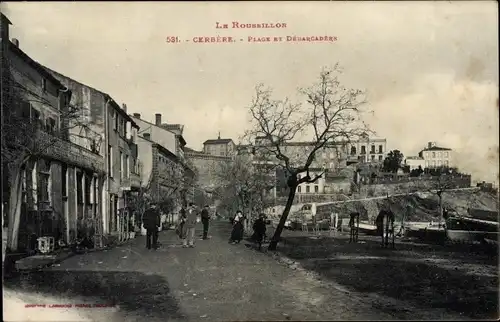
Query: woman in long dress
x=237, y=232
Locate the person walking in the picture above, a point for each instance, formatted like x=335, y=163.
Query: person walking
x=259, y=228
x=237, y=232
x=205, y=219
x=151, y=221
x=190, y=226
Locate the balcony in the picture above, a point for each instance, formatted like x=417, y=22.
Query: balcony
x=69, y=152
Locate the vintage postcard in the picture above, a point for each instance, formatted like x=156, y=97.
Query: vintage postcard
x=237, y=161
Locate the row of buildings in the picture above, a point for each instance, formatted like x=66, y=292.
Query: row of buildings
x=339, y=162
x=94, y=160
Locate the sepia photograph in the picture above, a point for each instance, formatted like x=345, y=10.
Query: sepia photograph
x=250, y=160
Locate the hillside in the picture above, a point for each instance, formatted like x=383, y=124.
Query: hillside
x=422, y=206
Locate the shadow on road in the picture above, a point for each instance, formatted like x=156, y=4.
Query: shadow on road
x=426, y=276
x=144, y=295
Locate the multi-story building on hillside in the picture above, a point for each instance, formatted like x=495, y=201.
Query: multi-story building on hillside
x=367, y=150
x=62, y=181
x=108, y=128
x=437, y=157
x=219, y=147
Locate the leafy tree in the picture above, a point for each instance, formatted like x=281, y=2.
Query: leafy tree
x=393, y=160
x=331, y=115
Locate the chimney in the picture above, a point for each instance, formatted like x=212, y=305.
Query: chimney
x=429, y=145
x=158, y=119
x=15, y=42
x=147, y=136
x=124, y=107
x=137, y=115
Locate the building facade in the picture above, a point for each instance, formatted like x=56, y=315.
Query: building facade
x=219, y=147
x=415, y=162
x=367, y=150
x=437, y=157
x=61, y=185
x=162, y=148
x=106, y=127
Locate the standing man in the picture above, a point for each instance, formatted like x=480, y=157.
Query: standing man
x=205, y=219
x=190, y=226
x=151, y=221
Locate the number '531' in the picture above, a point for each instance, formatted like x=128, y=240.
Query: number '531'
x=172, y=39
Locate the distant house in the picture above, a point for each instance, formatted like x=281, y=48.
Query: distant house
x=414, y=162
x=219, y=147
x=436, y=157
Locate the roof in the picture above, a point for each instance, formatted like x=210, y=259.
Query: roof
x=37, y=66
x=4, y=17
x=414, y=158
x=218, y=141
x=105, y=95
x=436, y=148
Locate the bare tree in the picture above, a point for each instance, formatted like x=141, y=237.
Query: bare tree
x=245, y=185
x=25, y=139
x=331, y=115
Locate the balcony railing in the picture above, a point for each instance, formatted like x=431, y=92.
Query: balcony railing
x=69, y=152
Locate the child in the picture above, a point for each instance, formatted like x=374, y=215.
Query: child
x=259, y=228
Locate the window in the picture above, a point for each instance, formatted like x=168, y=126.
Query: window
x=222, y=153
x=353, y=150
x=446, y=163
x=316, y=189
x=372, y=149
x=380, y=149
x=433, y=163
x=114, y=117
x=79, y=188
x=439, y=163
x=26, y=110
x=121, y=165
x=307, y=189
x=373, y=158
x=298, y=177
x=433, y=154
x=363, y=149
x=88, y=186
x=380, y=158
x=299, y=189
x=51, y=125
x=446, y=154
x=426, y=155
x=440, y=155
x=35, y=116
x=127, y=167
x=110, y=161
x=64, y=179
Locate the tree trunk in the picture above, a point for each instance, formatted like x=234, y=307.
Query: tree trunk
x=14, y=209
x=277, y=234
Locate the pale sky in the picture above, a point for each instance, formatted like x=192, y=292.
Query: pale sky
x=430, y=68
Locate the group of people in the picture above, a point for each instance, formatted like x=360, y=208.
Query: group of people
x=185, y=230
x=259, y=229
